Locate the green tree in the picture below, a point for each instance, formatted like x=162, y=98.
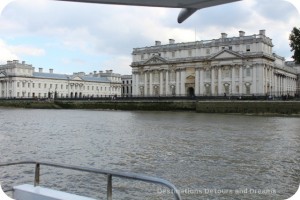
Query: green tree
x=295, y=44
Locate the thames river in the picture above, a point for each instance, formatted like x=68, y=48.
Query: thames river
x=206, y=156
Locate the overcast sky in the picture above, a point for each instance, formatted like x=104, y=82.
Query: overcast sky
x=73, y=37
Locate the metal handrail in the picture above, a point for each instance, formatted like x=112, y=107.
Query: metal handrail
x=108, y=173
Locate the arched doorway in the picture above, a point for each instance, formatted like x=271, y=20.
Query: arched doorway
x=191, y=92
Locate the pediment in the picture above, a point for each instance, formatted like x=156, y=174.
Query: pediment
x=190, y=79
x=2, y=74
x=155, y=60
x=227, y=54
x=76, y=78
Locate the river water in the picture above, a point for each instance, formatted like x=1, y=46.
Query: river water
x=206, y=156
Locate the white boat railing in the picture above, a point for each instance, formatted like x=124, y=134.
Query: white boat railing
x=108, y=173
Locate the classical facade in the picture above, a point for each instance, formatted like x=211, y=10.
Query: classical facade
x=20, y=80
x=243, y=65
x=126, y=85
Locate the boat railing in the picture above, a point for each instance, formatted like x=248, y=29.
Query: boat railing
x=108, y=173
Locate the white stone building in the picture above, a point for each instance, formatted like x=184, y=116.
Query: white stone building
x=20, y=80
x=243, y=65
x=126, y=85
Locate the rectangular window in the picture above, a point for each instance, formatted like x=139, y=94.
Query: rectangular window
x=45, y=85
x=248, y=90
x=230, y=47
x=23, y=84
x=28, y=85
x=61, y=86
x=248, y=48
x=50, y=85
x=190, y=53
x=173, y=54
x=248, y=72
x=32, y=85
x=207, y=51
x=18, y=84
x=39, y=85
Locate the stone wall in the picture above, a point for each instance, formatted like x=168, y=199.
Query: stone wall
x=257, y=107
x=244, y=107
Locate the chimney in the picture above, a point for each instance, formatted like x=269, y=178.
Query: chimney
x=224, y=35
x=41, y=70
x=9, y=62
x=242, y=33
x=157, y=43
x=23, y=62
x=95, y=72
x=262, y=32
x=51, y=71
x=171, y=41
x=15, y=61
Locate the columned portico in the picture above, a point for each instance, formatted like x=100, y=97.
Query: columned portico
x=234, y=66
x=182, y=81
x=219, y=81
x=240, y=80
x=233, y=90
x=212, y=81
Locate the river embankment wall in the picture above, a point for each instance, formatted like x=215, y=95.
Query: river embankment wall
x=256, y=107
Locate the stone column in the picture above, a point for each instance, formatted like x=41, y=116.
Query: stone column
x=177, y=89
x=212, y=81
x=150, y=83
x=137, y=84
x=145, y=84
x=161, y=85
x=201, y=86
x=182, y=89
x=233, y=80
x=275, y=84
x=241, y=80
x=220, y=81
x=197, y=81
x=254, y=91
x=167, y=83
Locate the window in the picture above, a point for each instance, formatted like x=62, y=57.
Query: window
x=32, y=85
x=223, y=47
x=230, y=47
x=207, y=51
x=50, y=85
x=39, y=85
x=190, y=53
x=208, y=74
x=142, y=57
x=61, y=86
x=173, y=54
x=248, y=89
x=248, y=72
x=18, y=84
x=248, y=48
x=28, y=85
x=23, y=84
x=45, y=85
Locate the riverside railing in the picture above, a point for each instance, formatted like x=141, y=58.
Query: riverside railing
x=108, y=173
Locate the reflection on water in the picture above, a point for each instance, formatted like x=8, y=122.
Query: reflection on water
x=207, y=156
